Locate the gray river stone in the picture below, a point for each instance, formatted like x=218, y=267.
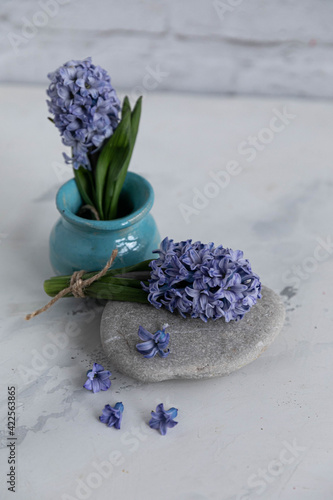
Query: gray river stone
x=197, y=349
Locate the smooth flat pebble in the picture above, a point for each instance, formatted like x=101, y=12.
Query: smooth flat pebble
x=197, y=349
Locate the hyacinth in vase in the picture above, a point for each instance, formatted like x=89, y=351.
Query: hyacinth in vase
x=86, y=110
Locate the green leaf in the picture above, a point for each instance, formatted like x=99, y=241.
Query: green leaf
x=126, y=107
x=117, y=163
x=111, y=159
x=84, y=182
x=135, y=121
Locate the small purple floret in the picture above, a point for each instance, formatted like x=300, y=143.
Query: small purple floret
x=112, y=416
x=202, y=281
x=153, y=343
x=98, y=379
x=163, y=419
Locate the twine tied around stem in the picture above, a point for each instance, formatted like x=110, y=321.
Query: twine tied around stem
x=76, y=286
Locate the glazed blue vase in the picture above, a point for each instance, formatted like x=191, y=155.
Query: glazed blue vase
x=77, y=243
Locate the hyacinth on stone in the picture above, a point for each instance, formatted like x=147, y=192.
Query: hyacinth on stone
x=153, y=343
x=202, y=281
x=85, y=108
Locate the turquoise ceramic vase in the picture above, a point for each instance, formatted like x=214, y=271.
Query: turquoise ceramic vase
x=77, y=243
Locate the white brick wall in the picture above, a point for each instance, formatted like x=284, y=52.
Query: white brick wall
x=281, y=47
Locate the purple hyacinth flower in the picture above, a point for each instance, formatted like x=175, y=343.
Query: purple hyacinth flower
x=85, y=108
x=162, y=419
x=202, y=281
x=98, y=379
x=153, y=343
x=112, y=416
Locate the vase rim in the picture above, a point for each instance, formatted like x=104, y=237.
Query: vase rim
x=67, y=189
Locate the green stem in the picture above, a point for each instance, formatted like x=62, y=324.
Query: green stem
x=118, y=284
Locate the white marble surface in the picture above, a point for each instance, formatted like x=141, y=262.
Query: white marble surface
x=232, y=430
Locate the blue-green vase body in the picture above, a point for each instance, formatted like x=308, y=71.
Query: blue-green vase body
x=77, y=243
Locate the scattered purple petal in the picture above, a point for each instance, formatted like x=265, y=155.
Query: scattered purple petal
x=98, y=379
x=163, y=419
x=112, y=416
